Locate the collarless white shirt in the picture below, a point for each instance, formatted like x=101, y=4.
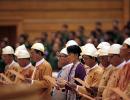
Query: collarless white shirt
x=122, y=64
x=37, y=64
x=13, y=62
x=29, y=65
x=96, y=65
x=40, y=62
x=89, y=69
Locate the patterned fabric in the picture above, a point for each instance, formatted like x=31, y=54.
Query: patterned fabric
x=124, y=80
x=94, y=76
x=13, y=66
x=92, y=79
x=114, y=78
x=104, y=79
x=27, y=73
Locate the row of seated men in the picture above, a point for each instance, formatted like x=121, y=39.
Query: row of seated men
x=23, y=72
x=87, y=72
x=102, y=74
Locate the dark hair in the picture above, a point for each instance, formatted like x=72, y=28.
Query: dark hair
x=25, y=58
x=74, y=49
x=128, y=46
x=12, y=55
x=82, y=61
x=39, y=52
x=24, y=36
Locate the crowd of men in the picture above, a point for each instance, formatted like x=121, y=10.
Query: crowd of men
x=87, y=72
x=55, y=40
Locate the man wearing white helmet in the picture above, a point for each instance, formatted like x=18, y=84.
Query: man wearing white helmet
x=23, y=47
x=42, y=68
x=117, y=62
x=102, y=44
x=103, y=56
x=93, y=76
x=114, y=56
x=8, y=57
x=84, y=50
x=63, y=64
x=124, y=80
x=23, y=58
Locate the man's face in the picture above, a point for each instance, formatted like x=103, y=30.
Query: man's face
x=114, y=59
x=21, y=62
x=124, y=51
x=71, y=57
x=62, y=60
x=88, y=60
x=34, y=55
x=104, y=60
x=6, y=58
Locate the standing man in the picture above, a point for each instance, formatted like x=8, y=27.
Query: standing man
x=42, y=68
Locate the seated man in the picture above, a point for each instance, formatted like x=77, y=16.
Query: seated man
x=23, y=58
x=42, y=68
x=8, y=57
x=64, y=65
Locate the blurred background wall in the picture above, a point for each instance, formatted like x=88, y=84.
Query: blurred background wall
x=36, y=16
x=54, y=22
